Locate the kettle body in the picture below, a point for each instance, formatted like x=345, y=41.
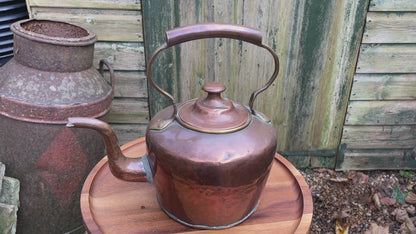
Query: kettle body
x=209, y=158
x=210, y=180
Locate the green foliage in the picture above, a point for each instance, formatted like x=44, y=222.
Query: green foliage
x=398, y=195
x=406, y=174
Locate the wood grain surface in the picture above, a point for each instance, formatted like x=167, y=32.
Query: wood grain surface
x=110, y=205
x=392, y=5
x=400, y=112
x=390, y=27
x=94, y=4
x=384, y=87
x=373, y=159
x=379, y=137
x=387, y=58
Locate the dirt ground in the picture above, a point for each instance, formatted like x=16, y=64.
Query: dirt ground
x=362, y=202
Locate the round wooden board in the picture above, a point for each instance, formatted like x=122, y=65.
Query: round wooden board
x=111, y=205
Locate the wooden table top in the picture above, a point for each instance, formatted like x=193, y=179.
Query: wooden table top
x=111, y=205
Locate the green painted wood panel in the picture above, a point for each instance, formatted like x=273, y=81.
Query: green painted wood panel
x=307, y=103
x=157, y=19
x=383, y=87
x=390, y=27
x=387, y=58
x=381, y=112
x=379, y=137
x=376, y=159
x=392, y=5
x=108, y=24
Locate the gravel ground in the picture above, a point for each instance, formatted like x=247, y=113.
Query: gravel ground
x=362, y=201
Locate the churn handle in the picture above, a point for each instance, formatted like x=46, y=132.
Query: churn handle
x=211, y=30
x=110, y=68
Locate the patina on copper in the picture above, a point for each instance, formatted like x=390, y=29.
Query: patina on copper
x=213, y=114
x=51, y=78
x=209, y=158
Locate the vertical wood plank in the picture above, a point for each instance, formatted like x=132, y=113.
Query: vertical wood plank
x=157, y=19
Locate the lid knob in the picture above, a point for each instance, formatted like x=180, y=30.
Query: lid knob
x=214, y=87
x=213, y=100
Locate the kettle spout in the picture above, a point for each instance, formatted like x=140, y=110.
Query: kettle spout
x=130, y=169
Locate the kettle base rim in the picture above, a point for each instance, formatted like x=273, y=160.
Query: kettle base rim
x=206, y=227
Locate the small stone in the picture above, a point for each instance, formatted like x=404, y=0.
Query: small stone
x=375, y=228
x=10, y=192
x=9, y=200
x=8, y=218
x=400, y=214
x=411, y=210
x=410, y=226
x=377, y=201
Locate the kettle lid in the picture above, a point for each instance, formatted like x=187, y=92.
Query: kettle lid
x=213, y=113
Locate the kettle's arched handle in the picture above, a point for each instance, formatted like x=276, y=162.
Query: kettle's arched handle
x=210, y=30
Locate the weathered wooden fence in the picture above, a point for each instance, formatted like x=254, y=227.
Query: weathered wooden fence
x=318, y=43
x=380, y=128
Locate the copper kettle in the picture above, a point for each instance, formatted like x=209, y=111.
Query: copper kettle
x=209, y=158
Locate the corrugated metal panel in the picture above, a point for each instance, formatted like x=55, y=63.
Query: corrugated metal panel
x=10, y=11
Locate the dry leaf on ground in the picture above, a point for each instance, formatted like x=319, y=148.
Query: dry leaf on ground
x=376, y=229
x=411, y=198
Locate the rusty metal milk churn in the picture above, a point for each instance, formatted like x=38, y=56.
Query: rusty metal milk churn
x=51, y=78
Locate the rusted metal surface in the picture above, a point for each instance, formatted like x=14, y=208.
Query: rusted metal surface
x=51, y=78
x=46, y=81
x=209, y=158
